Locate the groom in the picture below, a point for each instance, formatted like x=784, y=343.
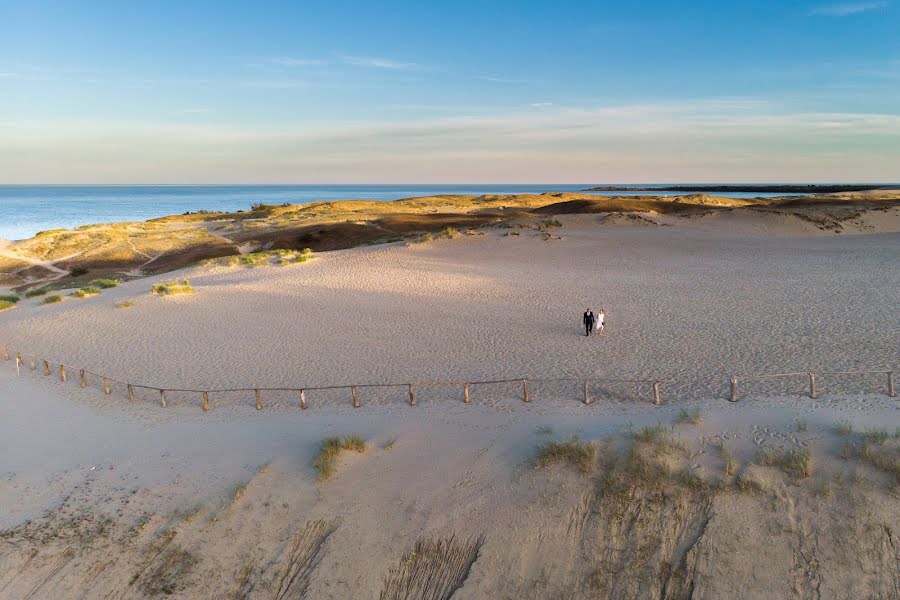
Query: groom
x=588, y=322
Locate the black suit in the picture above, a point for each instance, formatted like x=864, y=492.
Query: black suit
x=588, y=322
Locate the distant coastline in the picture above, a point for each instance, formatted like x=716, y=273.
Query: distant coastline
x=763, y=189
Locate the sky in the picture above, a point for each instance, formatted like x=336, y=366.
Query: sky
x=483, y=91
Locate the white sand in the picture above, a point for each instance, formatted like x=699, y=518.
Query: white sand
x=685, y=305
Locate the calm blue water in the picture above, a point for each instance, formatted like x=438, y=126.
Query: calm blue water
x=27, y=209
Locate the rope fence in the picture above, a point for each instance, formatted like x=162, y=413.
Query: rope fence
x=588, y=388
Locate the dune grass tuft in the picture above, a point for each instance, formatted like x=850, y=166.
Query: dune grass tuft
x=11, y=298
x=796, y=462
x=843, y=427
x=86, y=292
x=6, y=305
x=125, y=304
x=36, y=292
x=104, y=283
x=181, y=286
x=326, y=461
x=54, y=299
x=876, y=436
x=573, y=451
x=749, y=484
x=693, y=417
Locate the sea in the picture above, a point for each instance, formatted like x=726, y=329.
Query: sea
x=27, y=209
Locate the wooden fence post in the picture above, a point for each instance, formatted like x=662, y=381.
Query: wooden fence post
x=525, y=390
x=355, y=396
x=587, y=391
x=466, y=393
x=258, y=401
x=205, y=401
x=83, y=378
x=46, y=368
x=32, y=363
x=412, y=395
x=162, y=398
x=303, y=399
x=656, y=393
x=106, y=386
x=130, y=392
x=62, y=373
x=812, y=386
x=734, y=389
x=5, y=353
x=891, y=391
x=18, y=362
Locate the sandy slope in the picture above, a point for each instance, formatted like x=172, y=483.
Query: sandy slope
x=104, y=498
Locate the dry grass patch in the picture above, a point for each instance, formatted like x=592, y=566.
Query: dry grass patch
x=172, y=288
x=331, y=448
x=749, y=484
x=54, y=299
x=693, y=417
x=125, y=304
x=434, y=569
x=796, y=462
x=573, y=451
x=6, y=305
x=843, y=427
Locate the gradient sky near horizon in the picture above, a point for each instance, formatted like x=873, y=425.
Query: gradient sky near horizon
x=442, y=92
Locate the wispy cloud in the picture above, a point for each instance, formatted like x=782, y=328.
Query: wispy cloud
x=540, y=104
x=8, y=75
x=276, y=84
x=849, y=8
x=499, y=79
x=377, y=62
x=292, y=61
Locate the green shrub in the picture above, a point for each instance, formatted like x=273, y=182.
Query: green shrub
x=85, y=292
x=171, y=288
x=52, y=299
x=36, y=292
x=104, y=283
x=331, y=448
x=572, y=451
x=9, y=298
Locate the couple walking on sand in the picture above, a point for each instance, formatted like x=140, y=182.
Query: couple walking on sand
x=594, y=322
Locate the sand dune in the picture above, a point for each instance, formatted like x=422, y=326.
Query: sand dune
x=102, y=497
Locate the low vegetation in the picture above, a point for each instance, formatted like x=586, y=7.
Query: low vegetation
x=86, y=292
x=693, y=417
x=278, y=257
x=796, y=462
x=876, y=436
x=573, y=452
x=36, y=292
x=331, y=448
x=843, y=427
x=104, y=283
x=11, y=298
x=55, y=298
x=181, y=286
x=6, y=305
x=125, y=304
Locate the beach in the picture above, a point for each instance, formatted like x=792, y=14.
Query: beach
x=102, y=495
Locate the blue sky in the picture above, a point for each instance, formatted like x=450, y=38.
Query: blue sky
x=349, y=92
